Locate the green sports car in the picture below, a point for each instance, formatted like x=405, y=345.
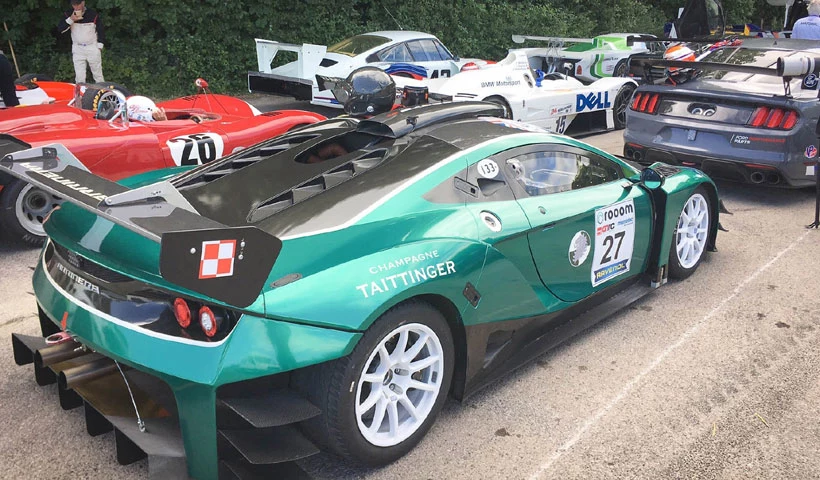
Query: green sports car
x=329, y=288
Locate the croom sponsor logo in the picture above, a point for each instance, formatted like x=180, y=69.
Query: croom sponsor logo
x=612, y=214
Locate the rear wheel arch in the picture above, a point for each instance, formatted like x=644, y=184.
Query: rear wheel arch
x=714, y=202
x=448, y=309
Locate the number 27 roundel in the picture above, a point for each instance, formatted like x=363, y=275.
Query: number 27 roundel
x=614, y=240
x=196, y=148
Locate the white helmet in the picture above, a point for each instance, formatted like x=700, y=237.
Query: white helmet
x=141, y=108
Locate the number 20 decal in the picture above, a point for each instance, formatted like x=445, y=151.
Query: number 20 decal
x=196, y=148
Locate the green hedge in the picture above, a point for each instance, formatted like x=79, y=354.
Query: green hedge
x=158, y=48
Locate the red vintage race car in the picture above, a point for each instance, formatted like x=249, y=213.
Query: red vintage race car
x=35, y=89
x=200, y=128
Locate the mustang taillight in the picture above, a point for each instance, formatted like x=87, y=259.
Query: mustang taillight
x=773, y=118
x=182, y=312
x=646, y=102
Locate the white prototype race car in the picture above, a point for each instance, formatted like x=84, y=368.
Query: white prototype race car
x=589, y=59
x=553, y=101
x=402, y=53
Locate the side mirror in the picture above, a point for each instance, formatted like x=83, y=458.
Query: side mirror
x=651, y=179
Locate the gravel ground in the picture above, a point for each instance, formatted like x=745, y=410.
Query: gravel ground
x=712, y=377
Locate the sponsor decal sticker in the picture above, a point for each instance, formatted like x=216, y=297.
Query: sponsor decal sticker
x=77, y=279
x=561, y=110
x=487, y=168
x=579, y=248
x=63, y=181
x=508, y=82
x=741, y=140
x=810, y=82
x=614, y=240
x=811, y=151
x=409, y=276
x=217, y=259
x=810, y=170
x=592, y=101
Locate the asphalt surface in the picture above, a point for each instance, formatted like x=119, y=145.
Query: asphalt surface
x=717, y=376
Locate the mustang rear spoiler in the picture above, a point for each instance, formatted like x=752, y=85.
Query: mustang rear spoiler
x=229, y=264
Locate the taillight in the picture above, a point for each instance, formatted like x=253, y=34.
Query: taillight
x=645, y=102
x=773, y=118
x=208, y=321
x=469, y=66
x=182, y=312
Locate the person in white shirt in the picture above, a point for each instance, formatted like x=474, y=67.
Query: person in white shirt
x=87, y=39
x=808, y=27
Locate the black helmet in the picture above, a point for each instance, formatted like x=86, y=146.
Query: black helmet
x=366, y=91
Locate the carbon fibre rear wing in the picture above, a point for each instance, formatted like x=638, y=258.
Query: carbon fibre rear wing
x=786, y=67
x=229, y=264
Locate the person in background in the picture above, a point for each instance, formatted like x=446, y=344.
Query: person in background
x=7, y=89
x=808, y=27
x=87, y=40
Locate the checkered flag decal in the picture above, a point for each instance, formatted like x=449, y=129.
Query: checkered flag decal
x=217, y=259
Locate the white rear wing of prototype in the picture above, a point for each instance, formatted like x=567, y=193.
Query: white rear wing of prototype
x=307, y=63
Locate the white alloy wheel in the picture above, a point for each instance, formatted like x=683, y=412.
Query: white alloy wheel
x=31, y=208
x=693, y=230
x=399, y=384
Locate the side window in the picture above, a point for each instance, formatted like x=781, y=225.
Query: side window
x=596, y=170
x=418, y=52
x=430, y=48
x=396, y=53
x=442, y=51
x=544, y=173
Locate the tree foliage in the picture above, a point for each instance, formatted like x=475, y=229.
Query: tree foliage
x=158, y=48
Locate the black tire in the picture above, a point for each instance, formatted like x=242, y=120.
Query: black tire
x=334, y=386
x=94, y=96
x=621, y=68
x=115, y=86
x=34, y=77
x=680, y=268
x=620, y=105
x=503, y=103
x=10, y=223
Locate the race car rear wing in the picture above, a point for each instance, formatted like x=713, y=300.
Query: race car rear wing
x=523, y=38
x=229, y=264
x=298, y=82
x=786, y=67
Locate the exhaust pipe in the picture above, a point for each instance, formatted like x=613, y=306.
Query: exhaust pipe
x=637, y=156
x=757, y=177
x=773, y=178
x=72, y=377
x=58, y=353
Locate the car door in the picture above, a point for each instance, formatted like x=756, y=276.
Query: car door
x=589, y=226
